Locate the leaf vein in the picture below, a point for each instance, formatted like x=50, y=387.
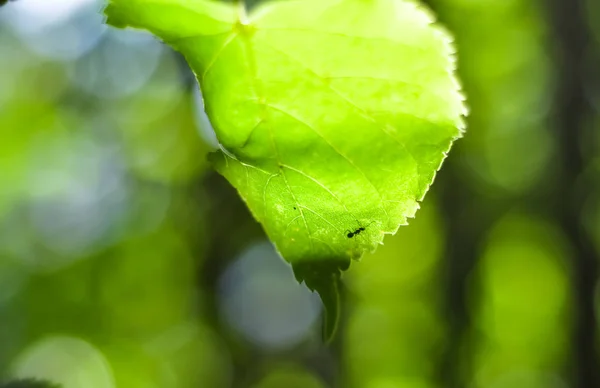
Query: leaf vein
x=341, y=96
x=360, y=171
x=252, y=60
x=212, y=62
x=344, y=35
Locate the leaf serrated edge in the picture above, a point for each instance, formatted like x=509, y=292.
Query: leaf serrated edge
x=451, y=53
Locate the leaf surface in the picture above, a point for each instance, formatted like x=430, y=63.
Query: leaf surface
x=333, y=116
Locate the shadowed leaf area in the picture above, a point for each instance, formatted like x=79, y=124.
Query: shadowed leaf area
x=29, y=383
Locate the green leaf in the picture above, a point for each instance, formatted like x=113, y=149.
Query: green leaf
x=333, y=115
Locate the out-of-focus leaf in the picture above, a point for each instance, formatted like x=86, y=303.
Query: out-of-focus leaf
x=29, y=383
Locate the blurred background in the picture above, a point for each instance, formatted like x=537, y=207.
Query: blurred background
x=126, y=262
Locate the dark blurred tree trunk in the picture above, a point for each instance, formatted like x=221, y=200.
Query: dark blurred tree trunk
x=468, y=217
x=572, y=112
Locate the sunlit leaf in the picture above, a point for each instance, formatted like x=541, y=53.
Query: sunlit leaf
x=333, y=115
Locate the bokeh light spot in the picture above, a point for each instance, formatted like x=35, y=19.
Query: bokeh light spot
x=261, y=299
x=69, y=361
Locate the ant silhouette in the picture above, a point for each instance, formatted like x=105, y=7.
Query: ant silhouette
x=357, y=231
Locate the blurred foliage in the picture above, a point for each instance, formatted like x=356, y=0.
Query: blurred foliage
x=395, y=334
x=508, y=77
x=520, y=304
x=126, y=262
x=29, y=383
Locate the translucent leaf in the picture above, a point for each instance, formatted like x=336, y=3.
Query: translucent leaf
x=333, y=116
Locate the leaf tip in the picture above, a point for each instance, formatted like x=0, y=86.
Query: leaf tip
x=324, y=277
x=112, y=16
